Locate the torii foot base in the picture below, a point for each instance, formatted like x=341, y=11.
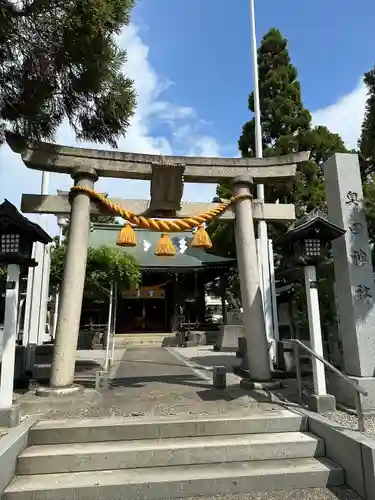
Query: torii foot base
x=260, y=386
x=47, y=392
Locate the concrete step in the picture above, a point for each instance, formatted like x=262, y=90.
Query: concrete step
x=129, y=428
x=51, y=459
x=158, y=483
x=147, y=339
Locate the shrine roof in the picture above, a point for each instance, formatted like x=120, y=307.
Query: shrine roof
x=188, y=259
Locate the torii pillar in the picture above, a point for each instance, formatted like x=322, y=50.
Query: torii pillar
x=253, y=317
x=71, y=295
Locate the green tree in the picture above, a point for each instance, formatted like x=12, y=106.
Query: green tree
x=286, y=125
x=366, y=142
x=366, y=146
x=283, y=115
x=59, y=59
x=286, y=128
x=104, y=265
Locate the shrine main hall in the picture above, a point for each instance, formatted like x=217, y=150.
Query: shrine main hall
x=172, y=287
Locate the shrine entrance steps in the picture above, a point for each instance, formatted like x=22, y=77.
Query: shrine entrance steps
x=143, y=458
x=123, y=340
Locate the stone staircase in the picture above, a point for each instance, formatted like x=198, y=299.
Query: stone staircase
x=145, y=339
x=170, y=457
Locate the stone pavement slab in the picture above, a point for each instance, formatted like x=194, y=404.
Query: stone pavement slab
x=152, y=381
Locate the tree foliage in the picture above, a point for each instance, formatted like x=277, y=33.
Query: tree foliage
x=283, y=115
x=104, y=265
x=366, y=146
x=3, y=273
x=366, y=142
x=286, y=128
x=286, y=125
x=59, y=59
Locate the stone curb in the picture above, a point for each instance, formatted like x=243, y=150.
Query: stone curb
x=11, y=445
x=352, y=450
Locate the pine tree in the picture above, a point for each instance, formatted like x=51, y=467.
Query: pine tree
x=59, y=59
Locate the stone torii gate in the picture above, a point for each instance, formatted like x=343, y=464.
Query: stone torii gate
x=85, y=166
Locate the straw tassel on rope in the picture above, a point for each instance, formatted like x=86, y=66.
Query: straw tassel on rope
x=201, y=238
x=164, y=247
x=126, y=237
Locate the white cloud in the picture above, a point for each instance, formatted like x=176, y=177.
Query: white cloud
x=345, y=116
x=183, y=133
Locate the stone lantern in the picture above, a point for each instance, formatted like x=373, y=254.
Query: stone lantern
x=310, y=238
x=309, y=241
x=17, y=236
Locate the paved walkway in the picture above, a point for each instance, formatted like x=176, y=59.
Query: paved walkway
x=158, y=381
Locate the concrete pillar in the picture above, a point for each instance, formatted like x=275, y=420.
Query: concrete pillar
x=256, y=337
x=68, y=321
x=319, y=401
x=9, y=338
x=315, y=329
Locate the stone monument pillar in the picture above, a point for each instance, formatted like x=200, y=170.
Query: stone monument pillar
x=253, y=318
x=354, y=278
x=68, y=321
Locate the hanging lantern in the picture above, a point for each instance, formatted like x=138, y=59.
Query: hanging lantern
x=126, y=237
x=165, y=247
x=201, y=238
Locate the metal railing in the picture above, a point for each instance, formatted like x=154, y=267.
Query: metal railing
x=357, y=388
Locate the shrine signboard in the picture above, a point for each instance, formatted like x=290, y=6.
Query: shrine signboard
x=144, y=292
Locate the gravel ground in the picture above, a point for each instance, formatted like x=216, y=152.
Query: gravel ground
x=310, y=494
x=350, y=421
x=345, y=419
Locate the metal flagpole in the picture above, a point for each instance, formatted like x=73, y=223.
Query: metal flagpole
x=264, y=257
x=258, y=127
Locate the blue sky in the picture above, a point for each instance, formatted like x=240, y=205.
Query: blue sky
x=191, y=63
x=204, y=48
